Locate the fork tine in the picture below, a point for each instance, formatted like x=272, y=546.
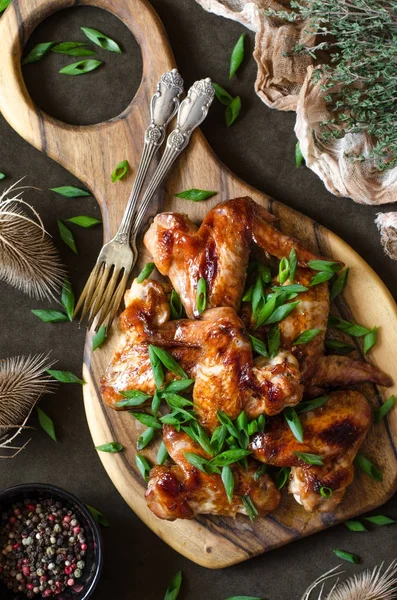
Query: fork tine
x=87, y=291
x=103, y=308
x=114, y=304
x=97, y=297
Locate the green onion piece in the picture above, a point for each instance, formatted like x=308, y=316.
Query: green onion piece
x=175, y=400
x=379, y=520
x=133, y=398
x=232, y=111
x=143, y=466
x=4, y=4
x=299, y=159
x=309, y=459
x=2, y=176
x=120, y=171
x=226, y=421
x=197, y=433
x=353, y=558
x=282, y=477
x=283, y=270
x=46, y=423
x=98, y=516
x=326, y=492
x=228, y=482
x=201, y=296
x=69, y=191
x=367, y=467
x=324, y=265
x=111, y=447
x=237, y=56
x=146, y=438
x=73, y=49
x=67, y=236
x=102, y=40
x=146, y=419
x=248, y=294
x=293, y=263
x=81, y=67
x=258, y=346
x=196, y=195
x=156, y=402
x=355, y=526
x=339, y=347
x=199, y=462
x=218, y=439
x=281, y=312
x=260, y=472
x=384, y=409
x=306, y=336
x=265, y=273
x=258, y=295
x=37, y=53
x=339, y=284
x=84, y=221
x=370, y=340
x=249, y=507
x=261, y=420
x=273, y=341
x=222, y=95
x=311, y=404
x=67, y=299
x=229, y=457
x=50, y=316
x=173, y=589
x=168, y=361
x=162, y=454
x=65, y=376
x=179, y=385
x=176, y=306
x=99, y=338
x=347, y=326
x=321, y=277
x=292, y=288
x=146, y=272
x=294, y=423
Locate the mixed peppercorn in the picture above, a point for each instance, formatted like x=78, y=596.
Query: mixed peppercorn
x=42, y=548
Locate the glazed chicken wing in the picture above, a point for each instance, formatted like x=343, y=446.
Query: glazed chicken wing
x=182, y=491
x=218, y=251
x=333, y=432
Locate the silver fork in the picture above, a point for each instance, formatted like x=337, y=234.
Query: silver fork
x=115, y=258
x=105, y=288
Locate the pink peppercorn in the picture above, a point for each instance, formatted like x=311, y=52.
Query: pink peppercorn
x=76, y=529
x=68, y=570
x=25, y=561
x=29, y=586
x=51, y=517
x=70, y=582
x=17, y=512
x=15, y=546
x=12, y=520
x=47, y=593
x=31, y=507
x=26, y=571
x=43, y=578
x=67, y=519
x=84, y=547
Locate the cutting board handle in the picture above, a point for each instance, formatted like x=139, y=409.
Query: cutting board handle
x=89, y=152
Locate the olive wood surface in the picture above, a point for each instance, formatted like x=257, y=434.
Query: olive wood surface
x=90, y=153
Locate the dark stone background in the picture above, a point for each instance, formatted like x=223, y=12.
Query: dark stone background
x=259, y=148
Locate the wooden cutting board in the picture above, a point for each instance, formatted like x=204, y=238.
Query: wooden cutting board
x=90, y=153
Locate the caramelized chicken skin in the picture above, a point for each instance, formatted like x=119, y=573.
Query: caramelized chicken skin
x=218, y=251
x=182, y=491
x=335, y=431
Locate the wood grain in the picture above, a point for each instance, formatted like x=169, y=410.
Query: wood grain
x=90, y=153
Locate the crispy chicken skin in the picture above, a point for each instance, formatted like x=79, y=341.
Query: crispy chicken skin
x=218, y=250
x=335, y=432
x=182, y=491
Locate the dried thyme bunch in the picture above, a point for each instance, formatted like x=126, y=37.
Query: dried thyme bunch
x=360, y=76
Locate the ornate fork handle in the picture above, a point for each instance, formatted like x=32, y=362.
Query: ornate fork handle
x=163, y=107
x=192, y=112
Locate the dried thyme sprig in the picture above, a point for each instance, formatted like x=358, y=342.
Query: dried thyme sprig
x=360, y=79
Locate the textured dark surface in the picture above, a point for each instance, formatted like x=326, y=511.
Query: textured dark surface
x=259, y=148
